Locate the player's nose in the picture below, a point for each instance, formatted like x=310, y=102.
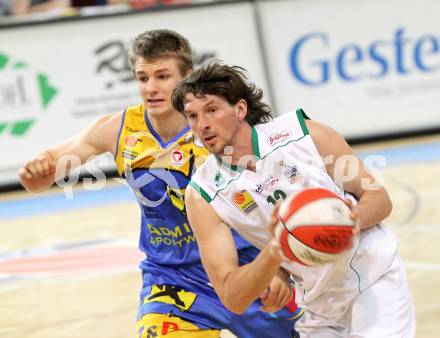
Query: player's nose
x=150, y=86
x=203, y=123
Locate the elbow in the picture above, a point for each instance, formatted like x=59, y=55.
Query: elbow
x=238, y=311
x=387, y=204
x=389, y=207
x=232, y=295
x=236, y=303
x=235, y=307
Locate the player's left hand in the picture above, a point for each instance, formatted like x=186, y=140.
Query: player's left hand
x=278, y=294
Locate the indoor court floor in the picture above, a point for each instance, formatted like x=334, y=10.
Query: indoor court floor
x=68, y=267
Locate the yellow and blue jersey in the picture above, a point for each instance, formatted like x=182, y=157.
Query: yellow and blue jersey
x=158, y=173
x=174, y=281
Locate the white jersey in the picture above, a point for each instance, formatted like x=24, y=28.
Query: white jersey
x=287, y=162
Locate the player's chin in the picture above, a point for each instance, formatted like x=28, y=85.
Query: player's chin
x=156, y=111
x=213, y=148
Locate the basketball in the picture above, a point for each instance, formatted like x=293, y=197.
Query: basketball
x=314, y=227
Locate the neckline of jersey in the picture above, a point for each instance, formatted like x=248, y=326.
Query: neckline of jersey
x=157, y=136
x=255, y=149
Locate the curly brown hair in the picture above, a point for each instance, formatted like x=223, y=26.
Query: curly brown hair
x=227, y=82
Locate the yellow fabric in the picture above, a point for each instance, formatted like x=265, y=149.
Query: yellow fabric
x=138, y=148
x=162, y=325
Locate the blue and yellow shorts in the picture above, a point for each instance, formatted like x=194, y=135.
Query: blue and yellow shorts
x=192, y=309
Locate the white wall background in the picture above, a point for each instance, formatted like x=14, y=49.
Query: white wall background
x=363, y=67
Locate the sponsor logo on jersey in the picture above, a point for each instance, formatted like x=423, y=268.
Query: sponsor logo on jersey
x=179, y=236
x=219, y=179
x=130, y=151
x=153, y=325
x=278, y=137
x=267, y=183
x=130, y=141
x=131, y=155
x=151, y=331
x=177, y=158
x=244, y=201
x=289, y=171
x=172, y=295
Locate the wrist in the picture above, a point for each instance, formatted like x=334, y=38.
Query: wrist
x=275, y=250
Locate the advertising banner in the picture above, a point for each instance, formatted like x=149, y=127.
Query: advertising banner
x=364, y=67
x=57, y=78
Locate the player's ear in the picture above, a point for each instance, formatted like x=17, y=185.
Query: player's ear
x=241, y=109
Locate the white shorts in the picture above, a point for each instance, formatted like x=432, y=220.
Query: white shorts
x=384, y=310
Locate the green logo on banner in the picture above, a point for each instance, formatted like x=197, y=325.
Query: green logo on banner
x=15, y=92
x=47, y=92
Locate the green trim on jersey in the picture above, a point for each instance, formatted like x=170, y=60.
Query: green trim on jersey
x=229, y=166
x=301, y=115
x=255, y=145
x=202, y=192
x=236, y=178
x=301, y=118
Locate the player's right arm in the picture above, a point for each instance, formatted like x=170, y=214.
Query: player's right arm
x=374, y=202
x=237, y=286
x=99, y=137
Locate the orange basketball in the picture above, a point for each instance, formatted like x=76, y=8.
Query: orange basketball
x=315, y=227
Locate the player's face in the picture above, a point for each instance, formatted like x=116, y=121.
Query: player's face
x=213, y=120
x=156, y=81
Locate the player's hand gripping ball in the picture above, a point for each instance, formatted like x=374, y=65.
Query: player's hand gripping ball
x=314, y=227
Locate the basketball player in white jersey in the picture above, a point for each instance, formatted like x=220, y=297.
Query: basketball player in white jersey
x=363, y=294
x=176, y=299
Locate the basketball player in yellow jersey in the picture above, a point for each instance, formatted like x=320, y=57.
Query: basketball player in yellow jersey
x=155, y=151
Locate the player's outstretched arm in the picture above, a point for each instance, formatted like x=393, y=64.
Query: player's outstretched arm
x=99, y=137
x=237, y=286
x=350, y=173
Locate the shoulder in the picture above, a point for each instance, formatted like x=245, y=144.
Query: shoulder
x=103, y=131
x=281, y=131
x=138, y=109
x=107, y=123
x=293, y=119
x=112, y=118
x=321, y=133
x=327, y=140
